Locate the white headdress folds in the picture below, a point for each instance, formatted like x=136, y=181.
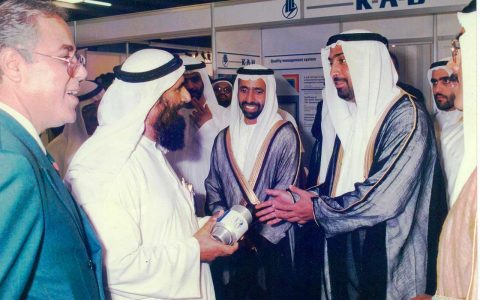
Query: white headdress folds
x=122, y=113
x=75, y=134
x=374, y=80
x=265, y=120
x=468, y=44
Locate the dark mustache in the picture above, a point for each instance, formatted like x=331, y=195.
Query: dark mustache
x=438, y=94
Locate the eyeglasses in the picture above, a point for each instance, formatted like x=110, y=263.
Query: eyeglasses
x=455, y=48
x=226, y=90
x=73, y=63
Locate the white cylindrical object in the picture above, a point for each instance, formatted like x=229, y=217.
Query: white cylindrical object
x=232, y=225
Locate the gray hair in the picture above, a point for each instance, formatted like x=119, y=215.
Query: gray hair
x=18, y=23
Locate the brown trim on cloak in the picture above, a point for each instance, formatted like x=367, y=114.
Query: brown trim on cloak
x=247, y=186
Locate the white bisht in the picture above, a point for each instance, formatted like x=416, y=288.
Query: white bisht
x=142, y=213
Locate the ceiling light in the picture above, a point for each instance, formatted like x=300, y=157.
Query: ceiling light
x=102, y=3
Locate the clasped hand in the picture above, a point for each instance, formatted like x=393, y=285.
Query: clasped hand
x=281, y=207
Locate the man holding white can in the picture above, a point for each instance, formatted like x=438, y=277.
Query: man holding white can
x=259, y=150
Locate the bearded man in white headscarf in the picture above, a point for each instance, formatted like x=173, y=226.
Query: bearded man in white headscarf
x=378, y=206
x=258, y=150
x=142, y=213
x=204, y=119
x=64, y=146
x=448, y=121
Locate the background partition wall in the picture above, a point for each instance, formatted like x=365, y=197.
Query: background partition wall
x=285, y=35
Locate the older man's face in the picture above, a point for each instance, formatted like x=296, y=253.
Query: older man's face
x=48, y=90
x=340, y=74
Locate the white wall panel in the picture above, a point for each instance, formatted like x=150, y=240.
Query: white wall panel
x=297, y=39
x=160, y=23
x=397, y=28
x=239, y=41
x=251, y=13
x=447, y=24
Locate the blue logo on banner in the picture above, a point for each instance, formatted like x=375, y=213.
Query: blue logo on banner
x=289, y=9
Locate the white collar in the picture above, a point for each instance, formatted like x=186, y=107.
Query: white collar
x=26, y=124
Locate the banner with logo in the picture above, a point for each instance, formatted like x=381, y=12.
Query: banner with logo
x=327, y=8
x=233, y=61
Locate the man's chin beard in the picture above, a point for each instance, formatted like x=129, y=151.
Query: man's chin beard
x=224, y=103
x=344, y=95
x=251, y=115
x=447, y=105
x=170, y=130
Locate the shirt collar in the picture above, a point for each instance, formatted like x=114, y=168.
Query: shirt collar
x=26, y=124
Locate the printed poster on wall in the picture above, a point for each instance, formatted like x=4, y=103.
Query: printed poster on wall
x=305, y=74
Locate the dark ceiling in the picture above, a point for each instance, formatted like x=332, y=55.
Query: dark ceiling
x=83, y=11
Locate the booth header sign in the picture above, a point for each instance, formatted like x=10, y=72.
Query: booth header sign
x=324, y=8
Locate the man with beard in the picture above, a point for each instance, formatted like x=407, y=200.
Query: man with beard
x=155, y=247
x=204, y=120
x=64, y=146
x=223, y=91
x=378, y=207
x=258, y=150
x=448, y=121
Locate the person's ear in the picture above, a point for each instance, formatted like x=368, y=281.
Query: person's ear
x=11, y=64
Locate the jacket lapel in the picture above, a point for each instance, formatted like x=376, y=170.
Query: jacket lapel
x=46, y=168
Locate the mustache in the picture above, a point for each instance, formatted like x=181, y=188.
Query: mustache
x=439, y=95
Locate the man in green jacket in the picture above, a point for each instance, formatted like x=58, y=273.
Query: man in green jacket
x=48, y=249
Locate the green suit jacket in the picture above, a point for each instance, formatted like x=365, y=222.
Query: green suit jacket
x=48, y=249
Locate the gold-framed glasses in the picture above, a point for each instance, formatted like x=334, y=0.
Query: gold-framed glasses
x=73, y=62
x=455, y=48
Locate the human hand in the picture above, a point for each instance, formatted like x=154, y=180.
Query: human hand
x=281, y=207
x=210, y=248
x=201, y=114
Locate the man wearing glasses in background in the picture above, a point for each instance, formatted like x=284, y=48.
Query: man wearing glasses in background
x=223, y=91
x=48, y=249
